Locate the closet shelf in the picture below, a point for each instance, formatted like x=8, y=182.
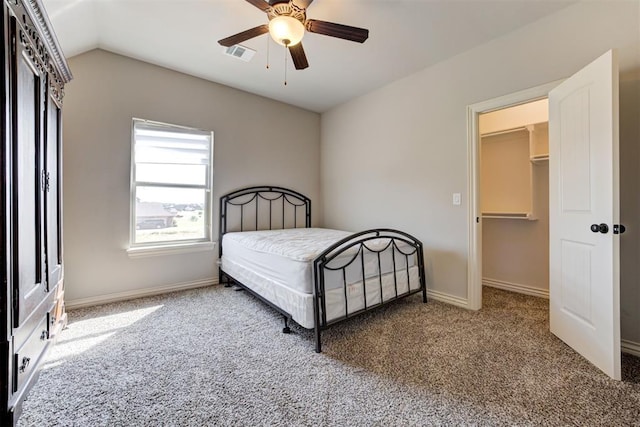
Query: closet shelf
x=539, y=158
x=509, y=215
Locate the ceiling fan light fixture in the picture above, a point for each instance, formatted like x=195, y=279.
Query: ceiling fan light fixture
x=286, y=30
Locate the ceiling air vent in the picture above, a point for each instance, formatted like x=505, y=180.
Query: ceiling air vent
x=240, y=52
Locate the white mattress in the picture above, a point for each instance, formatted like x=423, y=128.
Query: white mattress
x=278, y=265
x=284, y=256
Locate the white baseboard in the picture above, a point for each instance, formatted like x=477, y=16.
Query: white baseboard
x=630, y=347
x=515, y=287
x=138, y=293
x=447, y=298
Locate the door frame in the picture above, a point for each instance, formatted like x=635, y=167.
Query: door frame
x=474, y=259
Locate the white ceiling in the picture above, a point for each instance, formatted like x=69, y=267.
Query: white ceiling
x=404, y=36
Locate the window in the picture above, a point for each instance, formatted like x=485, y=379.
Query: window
x=171, y=181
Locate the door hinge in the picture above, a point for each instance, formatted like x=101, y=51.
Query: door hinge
x=619, y=228
x=45, y=181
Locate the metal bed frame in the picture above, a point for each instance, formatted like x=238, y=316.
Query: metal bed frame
x=270, y=207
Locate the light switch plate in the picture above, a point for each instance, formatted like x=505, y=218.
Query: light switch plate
x=457, y=199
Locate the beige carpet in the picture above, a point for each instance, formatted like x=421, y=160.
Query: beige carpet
x=217, y=357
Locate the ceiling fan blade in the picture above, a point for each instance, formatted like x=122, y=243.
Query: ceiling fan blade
x=245, y=35
x=260, y=4
x=337, y=30
x=303, y=4
x=298, y=56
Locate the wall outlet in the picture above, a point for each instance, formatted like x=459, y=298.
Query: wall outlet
x=457, y=199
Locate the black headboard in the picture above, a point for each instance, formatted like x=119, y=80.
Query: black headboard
x=263, y=208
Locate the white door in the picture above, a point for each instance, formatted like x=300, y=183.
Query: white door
x=584, y=283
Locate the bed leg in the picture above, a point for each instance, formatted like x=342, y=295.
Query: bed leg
x=227, y=282
x=286, y=329
x=424, y=294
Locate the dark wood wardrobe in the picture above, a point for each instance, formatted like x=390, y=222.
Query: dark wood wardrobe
x=31, y=302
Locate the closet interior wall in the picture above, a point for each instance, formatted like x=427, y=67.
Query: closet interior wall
x=515, y=198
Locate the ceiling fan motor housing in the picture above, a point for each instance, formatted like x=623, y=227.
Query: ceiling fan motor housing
x=286, y=8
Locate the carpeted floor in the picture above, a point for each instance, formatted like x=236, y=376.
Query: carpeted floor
x=214, y=356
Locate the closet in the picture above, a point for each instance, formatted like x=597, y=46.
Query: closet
x=514, y=195
x=31, y=301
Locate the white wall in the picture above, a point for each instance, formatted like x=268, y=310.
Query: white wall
x=395, y=156
x=257, y=141
x=515, y=252
x=514, y=117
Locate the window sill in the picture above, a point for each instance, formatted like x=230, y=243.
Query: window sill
x=149, y=251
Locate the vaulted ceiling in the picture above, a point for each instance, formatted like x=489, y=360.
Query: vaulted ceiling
x=405, y=36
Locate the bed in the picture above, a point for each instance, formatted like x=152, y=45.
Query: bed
x=314, y=276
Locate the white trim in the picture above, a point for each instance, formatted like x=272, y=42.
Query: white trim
x=139, y=293
x=474, y=268
x=630, y=347
x=447, y=298
x=148, y=251
x=474, y=262
x=133, y=182
x=515, y=287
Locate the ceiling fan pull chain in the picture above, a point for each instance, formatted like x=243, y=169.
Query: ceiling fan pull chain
x=286, y=48
x=267, y=53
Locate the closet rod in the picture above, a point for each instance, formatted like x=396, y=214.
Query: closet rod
x=501, y=132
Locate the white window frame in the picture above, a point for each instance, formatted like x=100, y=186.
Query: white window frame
x=170, y=246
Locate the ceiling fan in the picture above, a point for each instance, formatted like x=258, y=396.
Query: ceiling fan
x=287, y=24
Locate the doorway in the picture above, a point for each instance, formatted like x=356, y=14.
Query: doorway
x=499, y=211
x=514, y=198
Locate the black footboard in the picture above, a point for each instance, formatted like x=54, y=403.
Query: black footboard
x=364, y=271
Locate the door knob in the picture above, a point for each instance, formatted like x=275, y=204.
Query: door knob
x=602, y=228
